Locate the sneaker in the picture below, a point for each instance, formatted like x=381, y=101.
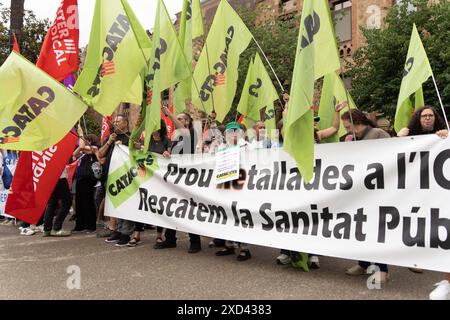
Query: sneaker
x=380, y=277
x=27, y=232
x=165, y=245
x=115, y=236
x=442, y=291
x=133, y=242
x=244, y=255
x=313, y=262
x=60, y=233
x=283, y=259
x=46, y=234
x=356, y=270
x=39, y=228
x=300, y=261
x=225, y=252
x=123, y=241
x=9, y=222
x=415, y=270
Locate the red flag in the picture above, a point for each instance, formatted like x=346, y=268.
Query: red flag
x=106, y=122
x=59, y=53
x=15, y=44
x=22, y=202
x=71, y=168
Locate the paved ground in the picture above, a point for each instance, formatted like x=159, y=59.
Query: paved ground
x=36, y=268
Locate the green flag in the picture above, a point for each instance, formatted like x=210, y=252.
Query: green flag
x=191, y=27
x=258, y=93
x=117, y=52
x=316, y=56
x=167, y=67
x=417, y=71
x=198, y=25
x=216, y=72
x=36, y=111
x=333, y=92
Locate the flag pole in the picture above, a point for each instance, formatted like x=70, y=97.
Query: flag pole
x=440, y=102
x=273, y=71
x=348, y=101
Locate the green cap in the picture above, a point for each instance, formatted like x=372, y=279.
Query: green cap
x=232, y=125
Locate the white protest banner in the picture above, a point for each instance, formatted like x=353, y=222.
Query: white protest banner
x=383, y=201
x=227, y=164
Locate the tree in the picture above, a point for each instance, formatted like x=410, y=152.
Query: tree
x=378, y=65
x=33, y=34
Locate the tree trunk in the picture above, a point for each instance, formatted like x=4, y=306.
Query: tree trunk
x=16, y=22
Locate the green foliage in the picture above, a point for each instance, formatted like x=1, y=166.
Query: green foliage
x=379, y=64
x=33, y=35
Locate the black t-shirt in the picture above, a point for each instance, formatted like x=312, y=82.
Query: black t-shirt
x=124, y=139
x=159, y=146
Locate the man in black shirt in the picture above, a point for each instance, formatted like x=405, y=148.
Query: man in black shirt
x=120, y=135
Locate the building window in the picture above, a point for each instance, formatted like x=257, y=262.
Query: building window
x=342, y=17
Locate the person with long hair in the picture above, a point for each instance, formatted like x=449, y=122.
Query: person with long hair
x=427, y=121
x=364, y=129
x=86, y=180
x=160, y=144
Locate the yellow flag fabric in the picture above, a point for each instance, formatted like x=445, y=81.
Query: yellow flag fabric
x=36, y=111
x=216, y=72
x=167, y=67
x=191, y=27
x=333, y=92
x=417, y=71
x=117, y=52
x=316, y=56
x=258, y=93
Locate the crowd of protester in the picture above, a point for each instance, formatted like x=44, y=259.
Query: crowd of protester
x=86, y=196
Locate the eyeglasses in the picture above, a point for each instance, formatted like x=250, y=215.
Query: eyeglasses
x=423, y=116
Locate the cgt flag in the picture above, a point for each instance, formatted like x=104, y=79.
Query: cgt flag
x=30, y=193
x=417, y=71
x=216, y=72
x=34, y=107
x=117, y=53
x=316, y=56
x=59, y=53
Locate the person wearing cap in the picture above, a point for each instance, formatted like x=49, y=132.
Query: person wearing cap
x=234, y=136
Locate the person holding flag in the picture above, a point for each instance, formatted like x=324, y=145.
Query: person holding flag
x=316, y=56
x=417, y=71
